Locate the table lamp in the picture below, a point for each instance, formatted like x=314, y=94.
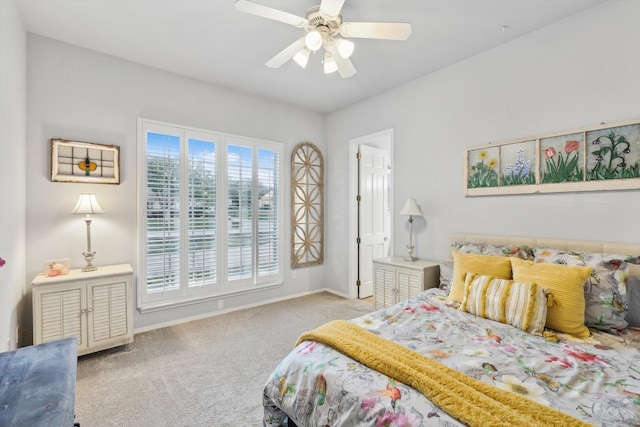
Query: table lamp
x=88, y=204
x=410, y=208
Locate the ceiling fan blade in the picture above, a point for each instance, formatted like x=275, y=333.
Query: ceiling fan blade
x=376, y=30
x=286, y=54
x=345, y=66
x=270, y=13
x=331, y=7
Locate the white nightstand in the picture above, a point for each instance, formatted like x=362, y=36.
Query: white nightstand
x=395, y=279
x=96, y=307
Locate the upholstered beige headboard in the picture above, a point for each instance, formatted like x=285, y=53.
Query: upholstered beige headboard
x=536, y=242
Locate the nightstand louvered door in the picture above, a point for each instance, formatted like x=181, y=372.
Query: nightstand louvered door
x=398, y=280
x=410, y=283
x=384, y=290
x=59, y=314
x=107, y=312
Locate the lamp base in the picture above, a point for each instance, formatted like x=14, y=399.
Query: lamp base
x=410, y=257
x=88, y=257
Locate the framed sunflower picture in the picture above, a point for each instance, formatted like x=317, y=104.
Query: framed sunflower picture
x=605, y=157
x=483, y=167
x=85, y=162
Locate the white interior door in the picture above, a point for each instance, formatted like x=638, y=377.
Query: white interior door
x=373, y=219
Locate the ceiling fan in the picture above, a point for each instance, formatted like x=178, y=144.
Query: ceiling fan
x=325, y=29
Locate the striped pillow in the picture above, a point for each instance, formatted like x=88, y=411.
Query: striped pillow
x=523, y=305
x=496, y=266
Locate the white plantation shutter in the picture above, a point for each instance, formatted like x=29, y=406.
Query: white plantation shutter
x=269, y=241
x=240, y=210
x=202, y=258
x=212, y=220
x=163, y=212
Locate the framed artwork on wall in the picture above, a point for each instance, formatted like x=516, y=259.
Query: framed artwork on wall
x=614, y=153
x=86, y=162
x=562, y=158
x=483, y=167
x=605, y=157
x=517, y=163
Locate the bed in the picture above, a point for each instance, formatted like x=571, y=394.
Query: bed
x=569, y=375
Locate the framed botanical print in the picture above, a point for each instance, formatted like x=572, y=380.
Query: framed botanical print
x=604, y=157
x=518, y=163
x=614, y=153
x=86, y=162
x=482, y=167
x=562, y=158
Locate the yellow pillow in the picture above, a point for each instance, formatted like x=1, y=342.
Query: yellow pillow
x=523, y=305
x=488, y=265
x=566, y=284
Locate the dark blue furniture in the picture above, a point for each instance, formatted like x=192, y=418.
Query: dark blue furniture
x=38, y=385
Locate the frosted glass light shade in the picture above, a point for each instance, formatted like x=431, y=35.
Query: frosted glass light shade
x=87, y=204
x=302, y=57
x=330, y=65
x=345, y=48
x=313, y=40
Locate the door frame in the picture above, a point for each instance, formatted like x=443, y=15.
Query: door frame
x=353, y=204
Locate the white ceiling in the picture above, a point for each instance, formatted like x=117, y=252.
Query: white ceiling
x=210, y=41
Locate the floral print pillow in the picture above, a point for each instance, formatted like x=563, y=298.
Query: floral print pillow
x=446, y=275
x=633, y=299
x=523, y=252
x=605, y=291
x=468, y=247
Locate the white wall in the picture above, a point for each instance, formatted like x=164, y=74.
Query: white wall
x=78, y=94
x=12, y=171
x=575, y=73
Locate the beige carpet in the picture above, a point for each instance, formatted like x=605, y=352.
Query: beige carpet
x=208, y=372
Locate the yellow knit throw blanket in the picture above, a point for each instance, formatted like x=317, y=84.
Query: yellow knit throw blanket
x=464, y=398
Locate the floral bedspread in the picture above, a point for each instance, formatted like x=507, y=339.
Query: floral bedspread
x=596, y=379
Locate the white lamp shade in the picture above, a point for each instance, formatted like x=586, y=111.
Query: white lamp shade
x=302, y=57
x=313, y=40
x=329, y=63
x=411, y=208
x=345, y=48
x=87, y=204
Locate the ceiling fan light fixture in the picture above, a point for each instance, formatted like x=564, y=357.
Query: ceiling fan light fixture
x=302, y=57
x=323, y=26
x=330, y=65
x=345, y=47
x=313, y=40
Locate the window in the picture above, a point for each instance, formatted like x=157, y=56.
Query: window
x=211, y=220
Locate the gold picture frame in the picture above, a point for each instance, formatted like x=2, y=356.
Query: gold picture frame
x=84, y=162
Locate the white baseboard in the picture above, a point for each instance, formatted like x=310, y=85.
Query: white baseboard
x=230, y=310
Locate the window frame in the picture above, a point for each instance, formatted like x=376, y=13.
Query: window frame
x=186, y=294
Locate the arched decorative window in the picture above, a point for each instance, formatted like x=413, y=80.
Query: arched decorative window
x=307, y=205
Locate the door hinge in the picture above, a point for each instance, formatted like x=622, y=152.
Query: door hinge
x=358, y=155
x=358, y=240
x=358, y=283
x=358, y=198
